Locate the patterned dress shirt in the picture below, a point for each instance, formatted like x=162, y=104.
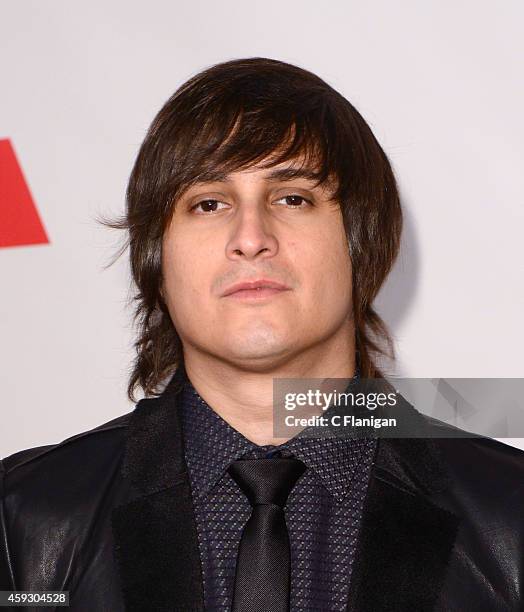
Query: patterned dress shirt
x=323, y=510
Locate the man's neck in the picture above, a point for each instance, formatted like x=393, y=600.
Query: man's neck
x=244, y=398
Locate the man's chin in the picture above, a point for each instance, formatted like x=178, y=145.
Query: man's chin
x=258, y=358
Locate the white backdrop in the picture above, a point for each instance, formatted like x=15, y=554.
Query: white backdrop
x=439, y=82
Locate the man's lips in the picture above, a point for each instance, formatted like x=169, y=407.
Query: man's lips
x=257, y=288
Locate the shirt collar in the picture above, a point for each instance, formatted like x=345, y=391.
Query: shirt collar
x=211, y=445
x=337, y=461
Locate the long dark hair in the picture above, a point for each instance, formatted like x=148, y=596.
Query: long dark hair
x=227, y=118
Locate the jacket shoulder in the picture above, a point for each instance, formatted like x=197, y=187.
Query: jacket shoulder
x=53, y=498
x=485, y=462
x=485, y=483
x=49, y=484
x=491, y=466
x=64, y=475
x=111, y=431
x=460, y=447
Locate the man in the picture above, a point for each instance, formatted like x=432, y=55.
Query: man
x=263, y=218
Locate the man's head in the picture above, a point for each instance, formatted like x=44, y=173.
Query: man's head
x=256, y=169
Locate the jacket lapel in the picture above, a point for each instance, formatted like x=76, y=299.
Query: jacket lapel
x=405, y=539
x=156, y=544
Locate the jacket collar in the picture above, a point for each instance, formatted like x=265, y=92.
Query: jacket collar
x=404, y=543
x=155, y=537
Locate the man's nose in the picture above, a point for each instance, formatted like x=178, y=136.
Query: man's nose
x=252, y=235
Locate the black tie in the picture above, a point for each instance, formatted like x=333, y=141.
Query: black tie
x=263, y=563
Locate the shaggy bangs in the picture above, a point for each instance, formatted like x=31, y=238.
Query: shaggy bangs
x=234, y=134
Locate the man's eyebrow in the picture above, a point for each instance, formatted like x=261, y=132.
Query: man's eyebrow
x=290, y=173
x=276, y=174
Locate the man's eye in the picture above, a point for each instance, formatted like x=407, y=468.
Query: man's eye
x=207, y=206
x=295, y=201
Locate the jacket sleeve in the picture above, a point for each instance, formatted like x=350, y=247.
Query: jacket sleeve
x=6, y=568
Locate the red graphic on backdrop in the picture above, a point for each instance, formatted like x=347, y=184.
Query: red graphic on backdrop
x=19, y=220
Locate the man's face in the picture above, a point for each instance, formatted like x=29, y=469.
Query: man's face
x=257, y=226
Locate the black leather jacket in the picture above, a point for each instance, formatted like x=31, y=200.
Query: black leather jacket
x=107, y=515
